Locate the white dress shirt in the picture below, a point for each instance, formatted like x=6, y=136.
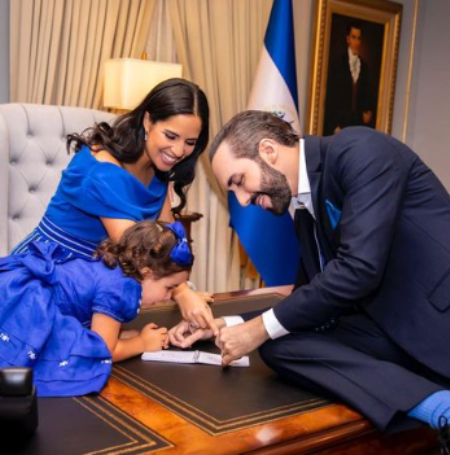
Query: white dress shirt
x=302, y=199
x=355, y=65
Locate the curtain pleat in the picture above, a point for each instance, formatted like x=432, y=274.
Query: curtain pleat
x=60, y=81
x=53, y=56
x=130, y=27
x=57, y=47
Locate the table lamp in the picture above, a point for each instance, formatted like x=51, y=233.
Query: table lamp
x=129, y=80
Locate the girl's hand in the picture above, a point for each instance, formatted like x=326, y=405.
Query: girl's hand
x=126, y=334
x=154, y=338
x=195, y=309
x=184, y=335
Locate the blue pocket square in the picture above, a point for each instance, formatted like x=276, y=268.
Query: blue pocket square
x=334, y=214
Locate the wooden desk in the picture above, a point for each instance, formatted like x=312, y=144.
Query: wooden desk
x=144, y=425
x=332, y=430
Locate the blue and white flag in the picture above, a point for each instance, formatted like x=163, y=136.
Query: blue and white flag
x=269, y=240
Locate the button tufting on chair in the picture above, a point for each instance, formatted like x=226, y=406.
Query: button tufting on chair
x=32, y=141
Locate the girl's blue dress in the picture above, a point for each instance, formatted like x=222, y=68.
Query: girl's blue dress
x=88, y=190
x=46, y=307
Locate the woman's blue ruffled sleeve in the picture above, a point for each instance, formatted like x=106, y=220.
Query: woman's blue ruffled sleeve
x=108, y=191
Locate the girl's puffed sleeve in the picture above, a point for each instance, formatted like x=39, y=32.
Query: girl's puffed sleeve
x=117, y=296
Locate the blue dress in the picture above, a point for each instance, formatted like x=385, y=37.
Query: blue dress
x=90, y=189
x=46, y=307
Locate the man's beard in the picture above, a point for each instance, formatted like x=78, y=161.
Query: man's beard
x=274, y=185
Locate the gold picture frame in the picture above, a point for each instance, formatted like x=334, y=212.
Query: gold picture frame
x=363, y=95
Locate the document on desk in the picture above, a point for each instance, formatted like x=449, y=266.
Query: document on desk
x=192, y=357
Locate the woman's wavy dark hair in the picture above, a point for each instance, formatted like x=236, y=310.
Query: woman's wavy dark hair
x=125, y=138
x=147, y=244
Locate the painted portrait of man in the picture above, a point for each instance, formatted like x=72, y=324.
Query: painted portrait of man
x=353, y=74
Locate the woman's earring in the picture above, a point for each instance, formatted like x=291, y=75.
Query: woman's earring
x=145, y=136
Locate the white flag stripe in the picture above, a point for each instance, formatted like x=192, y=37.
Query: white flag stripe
x=271, y=93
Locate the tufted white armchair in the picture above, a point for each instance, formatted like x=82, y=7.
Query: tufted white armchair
x=32, y=156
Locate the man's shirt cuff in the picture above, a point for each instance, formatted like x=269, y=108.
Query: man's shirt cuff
x=232, y=320
x=272, y=325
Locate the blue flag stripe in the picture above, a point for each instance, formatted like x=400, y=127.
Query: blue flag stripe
x=269, y=241
x=281, y=46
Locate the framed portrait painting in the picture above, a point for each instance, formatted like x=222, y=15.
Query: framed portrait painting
x=354, y=64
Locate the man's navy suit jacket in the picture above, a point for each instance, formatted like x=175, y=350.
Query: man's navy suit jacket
x=387, y=243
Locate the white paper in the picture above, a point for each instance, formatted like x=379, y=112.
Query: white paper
x=192, y=357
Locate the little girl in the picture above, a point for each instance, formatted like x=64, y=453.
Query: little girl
x=64, y=321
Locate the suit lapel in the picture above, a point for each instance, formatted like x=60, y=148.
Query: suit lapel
x=325, y=230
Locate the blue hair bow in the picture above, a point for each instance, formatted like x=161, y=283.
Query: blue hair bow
x=181, y=253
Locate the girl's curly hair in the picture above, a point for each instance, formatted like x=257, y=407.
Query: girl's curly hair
x=147, y=244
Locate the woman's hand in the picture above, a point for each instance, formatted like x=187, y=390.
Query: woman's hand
x=154, y=338
x=184, y=335
x=195, y=309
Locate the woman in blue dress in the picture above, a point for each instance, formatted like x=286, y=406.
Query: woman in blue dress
x=120, y=175
x=61, y=316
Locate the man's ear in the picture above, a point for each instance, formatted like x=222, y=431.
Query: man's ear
x=268, y=150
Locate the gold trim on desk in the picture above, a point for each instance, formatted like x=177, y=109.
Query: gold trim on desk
x=208, y=423
x=102, y=409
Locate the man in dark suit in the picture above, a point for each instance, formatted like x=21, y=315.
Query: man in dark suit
x=369, y=320
x=348, y=98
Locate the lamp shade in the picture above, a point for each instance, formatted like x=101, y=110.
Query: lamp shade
x=129, y=80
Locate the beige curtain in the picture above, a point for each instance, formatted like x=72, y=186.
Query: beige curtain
x=219, y=43
x=57, y=47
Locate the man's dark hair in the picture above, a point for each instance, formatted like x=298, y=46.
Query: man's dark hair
x=354, y=24
x=244, y=132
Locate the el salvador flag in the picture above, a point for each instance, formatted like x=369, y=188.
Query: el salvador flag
x=269, y=240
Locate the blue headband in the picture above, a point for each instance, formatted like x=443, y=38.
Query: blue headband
x=181, y=253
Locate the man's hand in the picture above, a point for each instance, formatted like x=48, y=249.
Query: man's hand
x=241, y=339
x=184, y=335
